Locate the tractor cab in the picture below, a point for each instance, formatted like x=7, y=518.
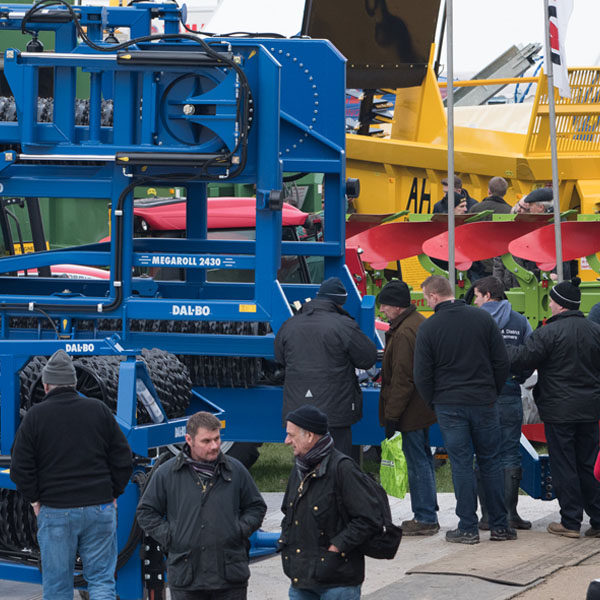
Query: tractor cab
x=230, y=218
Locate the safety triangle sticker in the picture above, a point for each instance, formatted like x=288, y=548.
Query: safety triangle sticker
x=308, y=394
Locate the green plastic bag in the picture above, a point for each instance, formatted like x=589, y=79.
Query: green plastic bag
x=393, y=472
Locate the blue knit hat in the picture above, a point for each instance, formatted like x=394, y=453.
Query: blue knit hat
x=594, y=314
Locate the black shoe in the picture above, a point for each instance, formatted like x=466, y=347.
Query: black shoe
x=516, y=522
x=512, y=480
x=458, y=536
x=502, y=534
x=483, y=524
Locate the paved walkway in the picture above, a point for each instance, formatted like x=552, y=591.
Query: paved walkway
x=386, y=580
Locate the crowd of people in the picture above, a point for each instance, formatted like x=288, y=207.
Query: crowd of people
x=461, y=368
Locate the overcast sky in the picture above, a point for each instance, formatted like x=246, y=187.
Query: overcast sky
x=483, y=29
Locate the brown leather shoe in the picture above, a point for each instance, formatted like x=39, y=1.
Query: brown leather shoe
x=414, y=527
x=560, y=529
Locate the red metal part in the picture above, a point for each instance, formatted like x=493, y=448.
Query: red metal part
x=357, y=268
x=579, y=238
x=359, y=222
x=395, y=241
x=479, y=241
x=535, y=432
x=222, y=213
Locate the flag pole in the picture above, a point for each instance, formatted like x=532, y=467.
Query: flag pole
x=553, y=150
x=450, y=120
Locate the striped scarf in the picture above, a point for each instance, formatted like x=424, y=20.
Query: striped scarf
x=204, y=470
x=315, y=455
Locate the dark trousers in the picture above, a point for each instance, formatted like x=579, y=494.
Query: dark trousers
x=469, y=429
x=510, y=412
x=573, y=448
x=228, y=594
x=342, y=439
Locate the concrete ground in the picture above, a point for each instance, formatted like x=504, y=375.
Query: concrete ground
x=388, y=580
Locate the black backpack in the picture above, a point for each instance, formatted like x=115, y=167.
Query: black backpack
x=383, y=544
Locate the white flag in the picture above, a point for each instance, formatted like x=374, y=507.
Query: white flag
x=559, y=13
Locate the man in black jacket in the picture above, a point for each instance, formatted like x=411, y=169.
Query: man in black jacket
x=201, y=507
x=566, y=353
x=320, y=348
x=319, y=544
x=462, y=201
x=497, y=188
x=460, y=366
x=71, y=461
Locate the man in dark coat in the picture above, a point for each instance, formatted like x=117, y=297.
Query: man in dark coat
x=566, y=353
x=329, y=512
x=495, y=202
x=320, y=348
x=201, y=507
x=460, y=366
x=402, y=409
x=497, y=187
x=515, y=329
x=462, y=201
x=71, y=460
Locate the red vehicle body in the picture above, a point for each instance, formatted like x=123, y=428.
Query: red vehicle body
x=169, y=214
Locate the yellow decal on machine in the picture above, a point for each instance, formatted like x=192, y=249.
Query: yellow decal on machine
x=247, y=308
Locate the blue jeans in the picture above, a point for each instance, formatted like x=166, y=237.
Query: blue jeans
x=510, y=410
x=90, y=531
x=465, y=428
x=334, y=593
x=421, y=475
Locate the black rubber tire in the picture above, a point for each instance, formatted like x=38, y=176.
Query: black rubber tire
x=32, y=391
x=171, y=380
x=98, y=377
x=246, y=452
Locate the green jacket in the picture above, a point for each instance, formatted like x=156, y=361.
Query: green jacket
x=399, y=400
x=204, y=532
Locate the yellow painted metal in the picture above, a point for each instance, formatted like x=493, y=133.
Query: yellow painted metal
x=404, y=171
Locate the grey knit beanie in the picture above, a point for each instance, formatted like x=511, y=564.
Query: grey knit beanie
x=59, y=370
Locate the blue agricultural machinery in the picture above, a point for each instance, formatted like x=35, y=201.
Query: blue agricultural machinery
x=164, y=110
x=171, y=109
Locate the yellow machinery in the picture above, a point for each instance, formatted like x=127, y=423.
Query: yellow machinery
x=404, y=171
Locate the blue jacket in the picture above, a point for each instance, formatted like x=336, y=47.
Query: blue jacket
x=515, y=329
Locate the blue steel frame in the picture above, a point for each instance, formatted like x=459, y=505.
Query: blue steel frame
x=297, y=88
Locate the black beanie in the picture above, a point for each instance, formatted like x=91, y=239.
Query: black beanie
x=395, y=293
x=59, y=370
x=309, y=417
x=567, y=293
x=334, y=289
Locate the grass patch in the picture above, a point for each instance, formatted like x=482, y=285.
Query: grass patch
x=443, y=479
x=272, y=470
